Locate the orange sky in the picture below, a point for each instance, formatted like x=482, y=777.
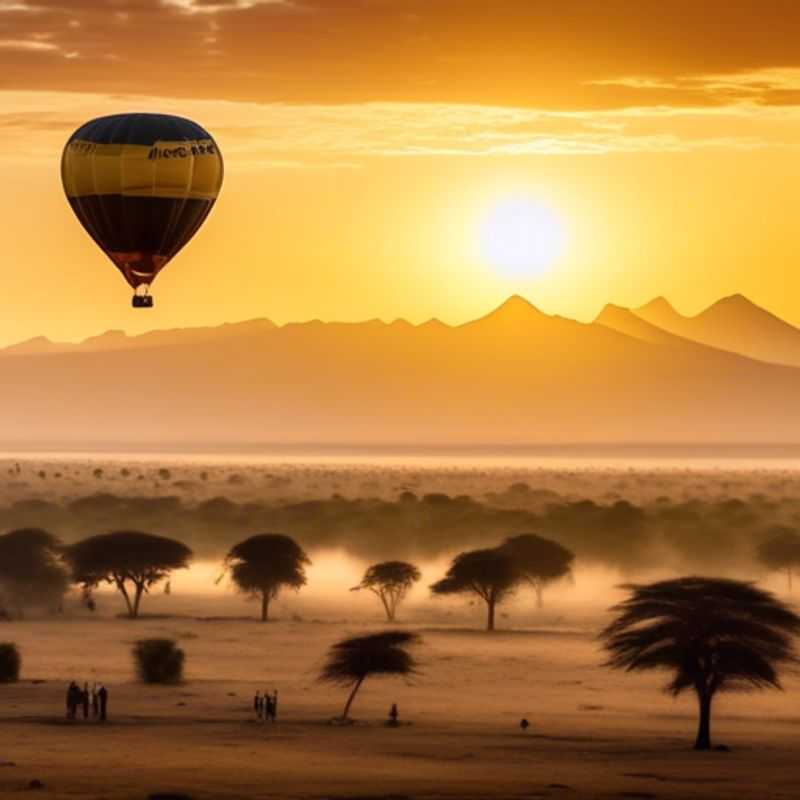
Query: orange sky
x=366, y=140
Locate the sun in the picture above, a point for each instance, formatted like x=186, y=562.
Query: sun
x=521, y=238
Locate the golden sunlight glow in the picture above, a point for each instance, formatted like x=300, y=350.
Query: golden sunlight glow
x=521, y=238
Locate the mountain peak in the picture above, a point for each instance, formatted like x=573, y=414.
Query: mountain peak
x=658, y=305
x=511, y=313
x=38, y=344
x=611, y=309
x=735, y=302
x=110, y=335
x=516, y=302
x=625, y=321
x=516, y=308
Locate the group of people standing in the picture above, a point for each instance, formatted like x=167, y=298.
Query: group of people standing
x=94, y=702
x=266, y=706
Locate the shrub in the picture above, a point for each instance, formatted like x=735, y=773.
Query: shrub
x=10, y=662
x=158, y=661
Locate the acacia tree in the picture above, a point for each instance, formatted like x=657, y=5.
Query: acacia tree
x=781, y=552
x=390, y=581
x=541, y=561
x=351, y=661
x=32, y=573
x=712, y=634
x=264, y=564
x=125, y=558
x=490, y=574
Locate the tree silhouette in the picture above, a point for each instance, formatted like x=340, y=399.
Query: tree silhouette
x=124, y=557
x=490, y=574
x=351, y=661
x=31, y=571
x=541, y=561
x=262, y=565
x=713, y=634
x=781, y=551
x=390, y=582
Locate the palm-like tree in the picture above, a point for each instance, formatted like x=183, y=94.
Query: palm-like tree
x=713, y=634
x=351, y=661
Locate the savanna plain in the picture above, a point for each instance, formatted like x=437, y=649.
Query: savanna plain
x=594, y=732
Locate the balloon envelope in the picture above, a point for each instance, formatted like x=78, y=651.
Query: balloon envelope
x=141, y=185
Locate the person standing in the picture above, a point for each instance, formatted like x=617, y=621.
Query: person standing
x=102, y=696
x=274, y=712
x=257, y=706
x=95, y=702
x=71, y=700
x=393, y=715
x=85, y=700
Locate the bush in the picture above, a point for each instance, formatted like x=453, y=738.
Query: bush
x=10, y=662
x=158, y=661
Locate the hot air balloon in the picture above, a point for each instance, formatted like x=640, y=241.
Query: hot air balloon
x=141, y=185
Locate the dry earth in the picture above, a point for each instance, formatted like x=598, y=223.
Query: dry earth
x=594, y=733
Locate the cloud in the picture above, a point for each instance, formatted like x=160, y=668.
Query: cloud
x=34, y=125
x=510, y=53
x=38, y=43
x=765, y=86
x=634, y=82
x=219, y=6
x=16, y=7
x=28, y=45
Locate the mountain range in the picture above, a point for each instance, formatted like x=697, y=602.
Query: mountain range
x=728, y=375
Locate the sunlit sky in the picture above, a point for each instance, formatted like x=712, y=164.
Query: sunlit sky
x=368, y=141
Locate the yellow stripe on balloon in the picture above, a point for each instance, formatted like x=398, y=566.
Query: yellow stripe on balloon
x=168, y=169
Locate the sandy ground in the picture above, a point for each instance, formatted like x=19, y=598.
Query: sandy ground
x=595, y=733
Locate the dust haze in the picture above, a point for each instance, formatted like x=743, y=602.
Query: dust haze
x=597, y=732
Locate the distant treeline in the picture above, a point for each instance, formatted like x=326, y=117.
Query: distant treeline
x=694, y=534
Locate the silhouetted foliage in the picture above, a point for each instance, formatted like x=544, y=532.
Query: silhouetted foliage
x=541, y=561
x=10, y=662
x=32, y=574
x=264, y=564
x=158, y=661
x=124, y=557
x=436, y=499
x=490, y=574
x=781, y=551
x=390, y=581
x=682, y=532
x=713, y=634
x=351, y=661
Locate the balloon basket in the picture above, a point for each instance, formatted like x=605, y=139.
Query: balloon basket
x=142, y=301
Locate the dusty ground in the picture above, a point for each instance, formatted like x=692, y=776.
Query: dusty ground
x=594, y=733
